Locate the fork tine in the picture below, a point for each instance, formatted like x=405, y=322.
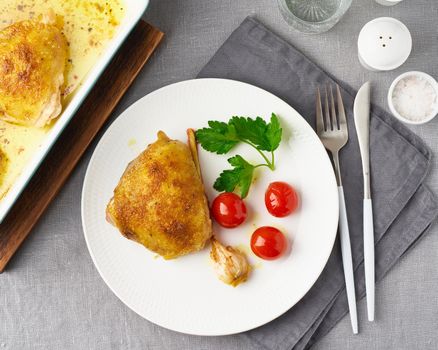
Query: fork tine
x=328, y=124
x=341, y=111
x=319, y=117
x=334, y=120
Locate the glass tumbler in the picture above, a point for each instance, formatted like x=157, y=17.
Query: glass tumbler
x=313, y=16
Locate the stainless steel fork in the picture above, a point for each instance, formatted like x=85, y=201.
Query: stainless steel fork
x=332, y=129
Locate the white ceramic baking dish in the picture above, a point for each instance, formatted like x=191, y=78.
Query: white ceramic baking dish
x=134, y=10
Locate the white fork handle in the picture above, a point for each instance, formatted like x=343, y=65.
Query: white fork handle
x=368, y=244
x=347, y=260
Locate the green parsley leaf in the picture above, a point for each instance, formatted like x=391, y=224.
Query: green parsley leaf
x=274, y=132
x=252, y=130
x=240, y=177
x=265, y=136
x=219, y=138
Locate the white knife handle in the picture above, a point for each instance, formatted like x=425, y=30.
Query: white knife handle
x=368, y=244
x=347, y=260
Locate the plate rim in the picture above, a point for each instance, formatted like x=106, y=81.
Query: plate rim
x=87, y=176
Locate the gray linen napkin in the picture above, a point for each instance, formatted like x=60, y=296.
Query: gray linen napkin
x=403, y=207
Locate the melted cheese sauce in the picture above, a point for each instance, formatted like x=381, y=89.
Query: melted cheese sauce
x=88, y=26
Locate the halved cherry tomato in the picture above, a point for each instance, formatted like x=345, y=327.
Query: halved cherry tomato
x=268, y=243
x=229, y=210
x=281, y=199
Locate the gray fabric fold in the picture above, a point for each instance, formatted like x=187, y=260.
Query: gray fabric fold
x=403, y=207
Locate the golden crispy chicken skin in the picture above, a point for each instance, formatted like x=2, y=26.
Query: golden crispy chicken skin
x=160, y=201
x=33, y=55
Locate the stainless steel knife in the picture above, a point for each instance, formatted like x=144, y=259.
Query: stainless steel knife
x=362, y=122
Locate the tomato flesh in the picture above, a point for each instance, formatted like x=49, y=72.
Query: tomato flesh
x=268, y=243
x=281, y=199
x=229, y=210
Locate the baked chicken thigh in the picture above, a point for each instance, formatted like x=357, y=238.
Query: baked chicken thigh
x=33, y=56
x=159, y=201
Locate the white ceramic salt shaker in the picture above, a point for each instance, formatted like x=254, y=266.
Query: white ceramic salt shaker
x=384, y=44
x=388, y=2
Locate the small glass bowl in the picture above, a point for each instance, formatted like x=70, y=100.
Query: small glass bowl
x=313, y=16
x=394, y=111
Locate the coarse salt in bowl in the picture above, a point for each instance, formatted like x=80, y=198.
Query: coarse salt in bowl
x=413, y=97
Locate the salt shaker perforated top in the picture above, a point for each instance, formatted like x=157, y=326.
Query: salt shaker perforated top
x=384, y=44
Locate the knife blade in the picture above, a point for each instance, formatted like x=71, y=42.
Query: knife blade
x=362, y=123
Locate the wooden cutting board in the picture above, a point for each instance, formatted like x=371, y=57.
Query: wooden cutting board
x=76, y=137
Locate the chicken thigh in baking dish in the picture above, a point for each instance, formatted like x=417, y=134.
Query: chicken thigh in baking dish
x=33, y=56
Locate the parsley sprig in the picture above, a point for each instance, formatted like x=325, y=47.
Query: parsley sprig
x=221, y=137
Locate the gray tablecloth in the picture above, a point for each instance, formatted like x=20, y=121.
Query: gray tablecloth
x=51, y=296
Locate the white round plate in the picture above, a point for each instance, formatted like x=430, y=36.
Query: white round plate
x=184, y=294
